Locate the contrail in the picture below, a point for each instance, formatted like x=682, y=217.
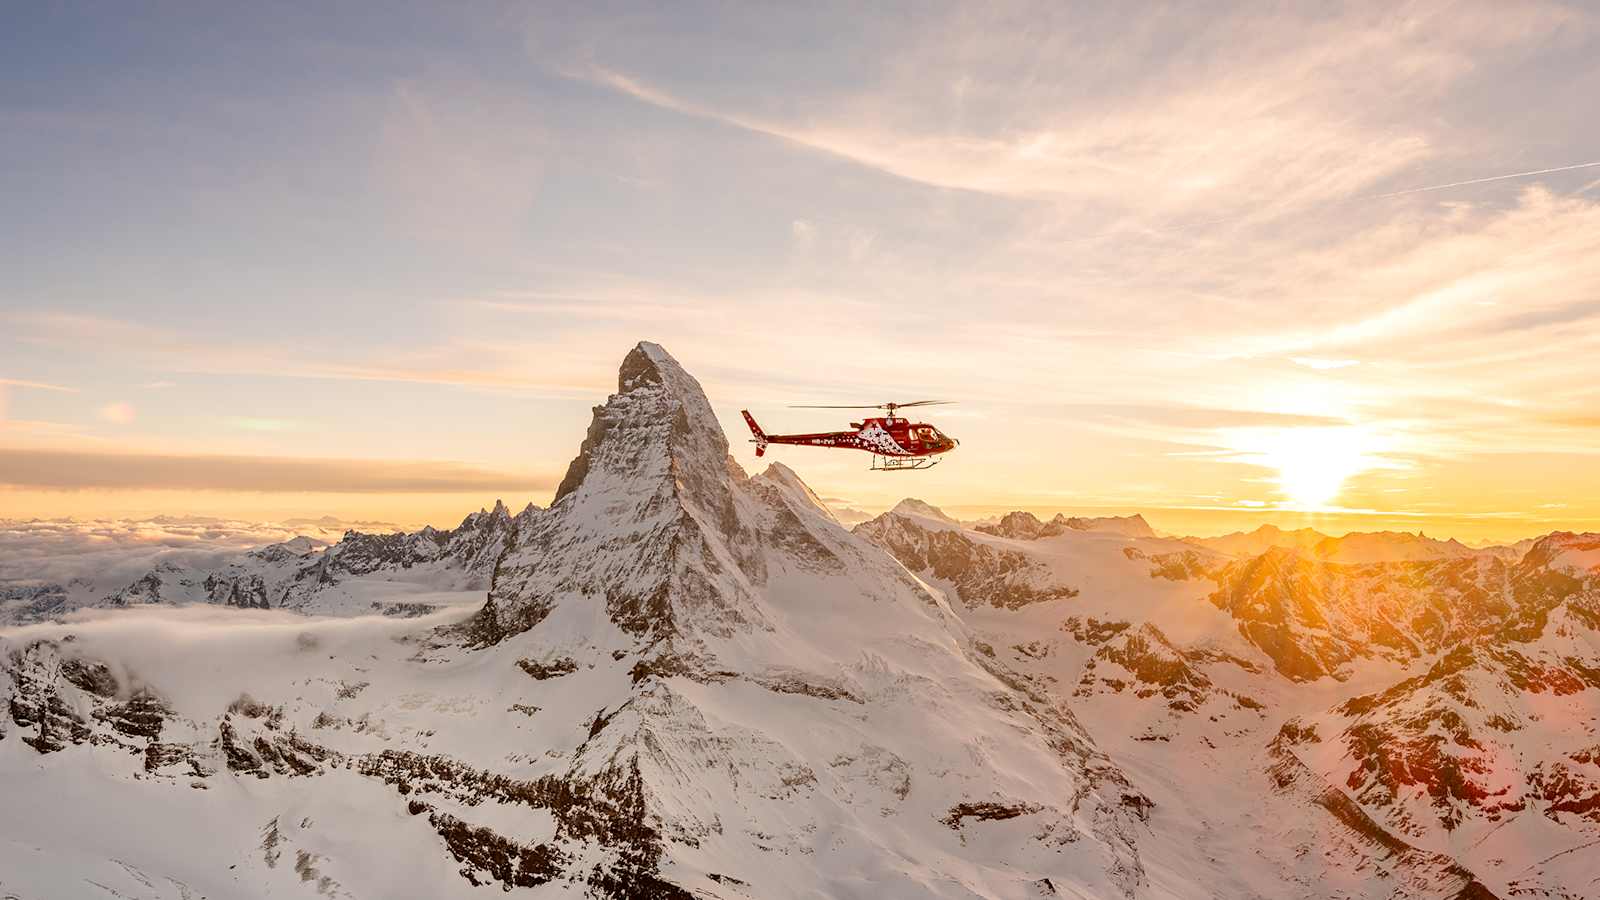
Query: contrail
x=37, y=385
x=1440, y=187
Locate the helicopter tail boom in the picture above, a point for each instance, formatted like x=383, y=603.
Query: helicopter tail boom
x=760, y=436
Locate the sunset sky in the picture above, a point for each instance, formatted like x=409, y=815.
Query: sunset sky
x=380, y=260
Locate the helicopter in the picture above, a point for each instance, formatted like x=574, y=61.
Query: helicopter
x=896, y=443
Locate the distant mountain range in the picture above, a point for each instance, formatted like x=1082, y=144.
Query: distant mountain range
x=1357, y=547
x=397, y=573
x=389, y=572
x=681, y=680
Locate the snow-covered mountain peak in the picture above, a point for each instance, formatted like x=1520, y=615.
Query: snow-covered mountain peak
x=1565, y=550
x=911, y=506
x=499, y=517
x=787, y=479
x=1128, y=526
x=300, y=547
x=658, y=425
x=648, y=521
x=1019, y=525
x=1389, y=546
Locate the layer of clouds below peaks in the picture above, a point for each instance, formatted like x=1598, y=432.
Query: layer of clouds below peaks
x=225, y=652
x=110, y=554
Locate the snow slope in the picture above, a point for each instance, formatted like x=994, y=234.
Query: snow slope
x=1308, y=728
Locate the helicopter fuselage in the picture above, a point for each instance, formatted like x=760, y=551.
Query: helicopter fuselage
x=887, y=436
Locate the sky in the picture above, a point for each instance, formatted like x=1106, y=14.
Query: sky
x=1222, y=264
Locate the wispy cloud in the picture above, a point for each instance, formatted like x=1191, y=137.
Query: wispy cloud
x=76, y=330
x=474, y=364
x=77, y=470
x=1077, y=106
x=37, y=385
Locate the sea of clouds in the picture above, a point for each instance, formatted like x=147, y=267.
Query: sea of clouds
x=203, y=657
x=108, y=554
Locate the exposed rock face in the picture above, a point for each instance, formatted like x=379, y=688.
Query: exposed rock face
x=1493, y=726
x=1313, y=617
x=153, y=587
x=1452, y=744
x=246, y=591
x=1153, y=666
x=1177, y=565
x=982, y=575
x=473, y=548
x=1023, y=526
x=57, y=700
x=1492, y=721
x=1410, y=871
x=26, y=604
x=646, y=521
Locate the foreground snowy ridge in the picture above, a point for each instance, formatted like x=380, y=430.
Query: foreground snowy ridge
x=680, y=680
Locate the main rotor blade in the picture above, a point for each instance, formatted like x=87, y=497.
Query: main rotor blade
x=873, y=405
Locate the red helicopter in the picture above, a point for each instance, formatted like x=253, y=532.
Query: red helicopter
x=896, y=443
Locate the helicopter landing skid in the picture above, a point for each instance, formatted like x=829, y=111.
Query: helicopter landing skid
x=901, y=463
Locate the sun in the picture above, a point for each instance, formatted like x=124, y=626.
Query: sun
x=1314, y=463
